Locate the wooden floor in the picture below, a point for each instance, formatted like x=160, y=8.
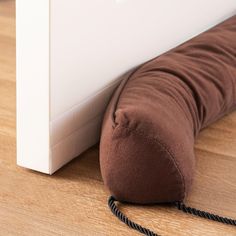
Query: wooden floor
x=74, y=200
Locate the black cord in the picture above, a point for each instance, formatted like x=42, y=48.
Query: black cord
x=125, y=219
x=182, y=207
x=179, y=205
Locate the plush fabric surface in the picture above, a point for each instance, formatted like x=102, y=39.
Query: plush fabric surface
x=149, y=129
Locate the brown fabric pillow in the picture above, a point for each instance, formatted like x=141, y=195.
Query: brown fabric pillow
x=147, y=141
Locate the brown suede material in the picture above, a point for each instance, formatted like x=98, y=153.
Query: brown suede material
x=147, y=142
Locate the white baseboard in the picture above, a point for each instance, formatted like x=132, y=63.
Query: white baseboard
x=79, y=128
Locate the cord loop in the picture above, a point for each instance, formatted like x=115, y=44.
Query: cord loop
x=179, y=205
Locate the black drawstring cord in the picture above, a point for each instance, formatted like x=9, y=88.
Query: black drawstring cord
x=125, y=219
x=179, y=205
x=182, y=207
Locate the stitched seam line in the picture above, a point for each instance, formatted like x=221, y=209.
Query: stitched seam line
x=110, y=144
x=170, y=153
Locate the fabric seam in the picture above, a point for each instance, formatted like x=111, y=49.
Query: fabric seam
x=170, y=153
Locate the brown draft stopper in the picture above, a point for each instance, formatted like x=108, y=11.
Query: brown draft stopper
x=147, y=141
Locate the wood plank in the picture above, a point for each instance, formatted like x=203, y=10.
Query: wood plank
x=74, y=200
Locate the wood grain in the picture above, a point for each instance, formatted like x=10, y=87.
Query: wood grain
x=74, y=200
